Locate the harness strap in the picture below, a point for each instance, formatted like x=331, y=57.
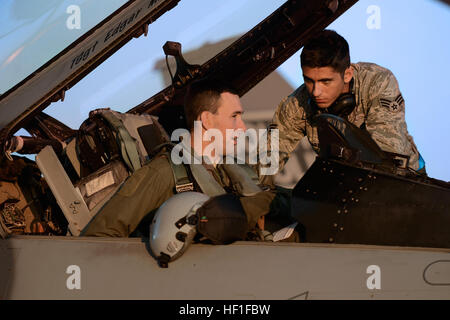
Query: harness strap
x=180, y=176
x=243, y=178
x=206, y=181
x=250, y=172
x=202, y=177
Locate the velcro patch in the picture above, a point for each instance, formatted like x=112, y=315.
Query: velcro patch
x=393, y=105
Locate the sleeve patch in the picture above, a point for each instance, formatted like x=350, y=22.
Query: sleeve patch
x=393, y=105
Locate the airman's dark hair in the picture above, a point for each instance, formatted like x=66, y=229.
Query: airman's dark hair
x=203, y=95
x=326, y=49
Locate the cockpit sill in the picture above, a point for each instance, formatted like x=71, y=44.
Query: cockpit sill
x=144, y=241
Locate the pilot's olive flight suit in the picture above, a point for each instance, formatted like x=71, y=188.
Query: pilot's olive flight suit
x=380, y=109
x=148, y=188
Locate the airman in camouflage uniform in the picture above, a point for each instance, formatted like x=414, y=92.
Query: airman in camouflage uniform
x=380, y=109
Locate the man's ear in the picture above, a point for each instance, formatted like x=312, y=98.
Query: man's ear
x=206, y=119
x=348, y=74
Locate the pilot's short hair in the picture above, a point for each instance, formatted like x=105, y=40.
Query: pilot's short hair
x=203, y=95
x=326, y=49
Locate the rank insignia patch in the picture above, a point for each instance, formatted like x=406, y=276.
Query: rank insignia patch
x=393, y=105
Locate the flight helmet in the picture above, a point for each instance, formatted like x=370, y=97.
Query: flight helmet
x=174, y=226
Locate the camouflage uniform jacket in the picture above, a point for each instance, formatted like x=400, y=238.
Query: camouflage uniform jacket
x=380, y=108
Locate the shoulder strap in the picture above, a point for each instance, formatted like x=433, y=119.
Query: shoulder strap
x=251, y=172
x=244, y=179
x=206, y=181
x=180, y=176
x=202, y=177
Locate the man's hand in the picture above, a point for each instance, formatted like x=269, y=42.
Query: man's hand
x=261, y=222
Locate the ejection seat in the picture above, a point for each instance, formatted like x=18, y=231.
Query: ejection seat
x=108, y=147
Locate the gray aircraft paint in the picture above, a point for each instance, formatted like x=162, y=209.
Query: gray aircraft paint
x=34, y=267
